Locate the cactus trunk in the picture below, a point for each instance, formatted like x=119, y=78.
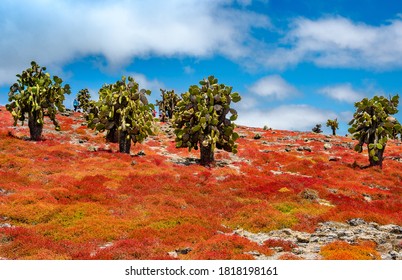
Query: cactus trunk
x=35, y=128
x=112, y=135
x=207, y=155
x=380, y=155
x=334, y=131
x=124, y=143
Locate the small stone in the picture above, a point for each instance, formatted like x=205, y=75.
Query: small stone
x=5, y=225
x=309, y=194
x=356, y=222
x=367, y=197
x=254, y=253
x=183, y=251
x=333, y=158
x=327, y=146
x=92, y=148
x=303, y=237
x=297, y=251
x=386, y=247
x=394, y=255
x=287, y=231
x=277, y=249
x=316, y=249
x=173, y=254
x=391, y=229
x=257, y=136
x=374, y=225
x=308, y=149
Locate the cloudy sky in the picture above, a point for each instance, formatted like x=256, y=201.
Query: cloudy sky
x=295, y=63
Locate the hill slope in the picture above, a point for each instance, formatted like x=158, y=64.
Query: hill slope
x=287, y=195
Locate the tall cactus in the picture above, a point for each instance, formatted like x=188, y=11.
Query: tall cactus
x=83, y=98
x=334, y=125
x=200, y=119
x=123, y=111
x=37, y=95
x=373, y=125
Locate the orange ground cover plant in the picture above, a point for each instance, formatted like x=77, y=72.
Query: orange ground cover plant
x=341, y=250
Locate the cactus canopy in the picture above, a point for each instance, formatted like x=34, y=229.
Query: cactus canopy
x=123, y=110
x=317, y=128
x=83, y=98
x=373, y=125
x=167, y=104
x=200, y=119
x=37, y=95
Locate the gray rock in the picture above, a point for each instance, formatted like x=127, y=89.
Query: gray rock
x=333, y=158
x=392, y=229
x=356, y=222
x=303, y=237
x=5, y=225
x=304, y=148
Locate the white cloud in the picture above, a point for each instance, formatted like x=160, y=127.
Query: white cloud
x=339, y=42
x=273, y=86
x=286, y=117
x=246, y=103
x=342, y=93
x=154, y=85
x=56, y=32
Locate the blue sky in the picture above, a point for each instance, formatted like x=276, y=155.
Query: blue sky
x=295, y=63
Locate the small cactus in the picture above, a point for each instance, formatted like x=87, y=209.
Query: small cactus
x=83, y=98
x=334, y=125
x=317, y=128
x=167, y=104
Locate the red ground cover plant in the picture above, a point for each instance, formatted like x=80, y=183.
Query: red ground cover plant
x=287, y=246
x=227, y=247
x=73, y=196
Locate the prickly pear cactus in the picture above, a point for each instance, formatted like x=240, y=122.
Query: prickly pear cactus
x=200, y=119
x=317, y=128
x=167, y=104
x=36, y=95
x=372, y=125
x=83, y=98
x=334, y=125
x=123, y=111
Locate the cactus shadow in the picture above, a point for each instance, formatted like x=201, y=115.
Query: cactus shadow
x=23, y=137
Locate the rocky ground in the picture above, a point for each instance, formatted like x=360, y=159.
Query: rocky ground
x=308, y=245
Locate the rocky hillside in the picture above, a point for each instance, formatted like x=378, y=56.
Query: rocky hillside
x=285, y=195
